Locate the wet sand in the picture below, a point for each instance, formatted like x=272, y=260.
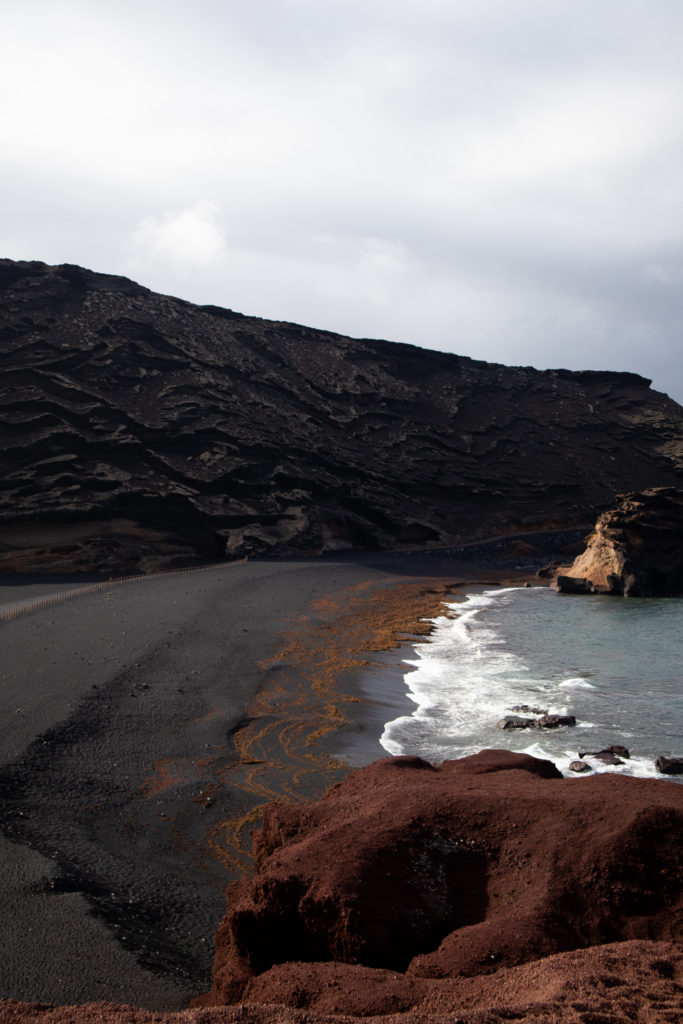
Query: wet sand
x=146, y=725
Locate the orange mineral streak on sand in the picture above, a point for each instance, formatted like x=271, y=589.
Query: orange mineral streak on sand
x=280, y=752
x=169, y=772
x=213, y=713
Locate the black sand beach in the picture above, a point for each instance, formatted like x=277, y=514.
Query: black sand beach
x=146, y=724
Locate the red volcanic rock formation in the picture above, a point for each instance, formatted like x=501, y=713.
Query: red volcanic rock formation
x=635, y=550
x=618, y=983
x=486, y=890
x=406, y=874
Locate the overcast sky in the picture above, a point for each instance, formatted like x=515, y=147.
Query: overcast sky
x=497, y=178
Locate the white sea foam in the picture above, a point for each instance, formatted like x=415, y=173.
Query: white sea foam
x=576, y=684
x=502, y=651
x=463, y=681
x=640, y=767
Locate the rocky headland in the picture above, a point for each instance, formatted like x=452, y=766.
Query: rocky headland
x=635, y=550
x=488, y=889
x=428, y=874
x=140, y=431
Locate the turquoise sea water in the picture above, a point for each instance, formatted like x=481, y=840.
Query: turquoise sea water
x=614, y=663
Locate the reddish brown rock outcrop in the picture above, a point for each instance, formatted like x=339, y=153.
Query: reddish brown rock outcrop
x=635, y=550
x=617, y=983
x=487, y=890
x=406, y=873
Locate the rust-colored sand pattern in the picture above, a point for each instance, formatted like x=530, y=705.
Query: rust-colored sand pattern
x=168, y=772
x=280, y=751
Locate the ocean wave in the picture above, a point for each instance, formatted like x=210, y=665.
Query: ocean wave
x=576, y=684
x=502, y=651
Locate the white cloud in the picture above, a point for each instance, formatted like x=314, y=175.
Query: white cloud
x=185, y=238
x=489, y=178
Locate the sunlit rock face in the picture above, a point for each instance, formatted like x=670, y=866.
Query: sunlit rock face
x=635, y=549
x=226, y=432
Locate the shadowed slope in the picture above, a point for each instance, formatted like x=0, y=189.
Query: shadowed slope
x=121, y=404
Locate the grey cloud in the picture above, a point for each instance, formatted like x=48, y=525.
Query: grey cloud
x=493, y=179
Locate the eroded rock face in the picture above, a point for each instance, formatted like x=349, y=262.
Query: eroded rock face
x=221, y=430
x=415, y=872
x=635, y=550
x=532, y=897
x=617, y=983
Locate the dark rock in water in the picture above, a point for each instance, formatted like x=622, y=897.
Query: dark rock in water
x=635, y=550
x=579, y=766
x=515, y=722
x=669, y=765
x=573, y=585
x=545, y=721
x=554, y=721
x=614, y=750
x=525, y=709
x=607, y=758
x=225, y=432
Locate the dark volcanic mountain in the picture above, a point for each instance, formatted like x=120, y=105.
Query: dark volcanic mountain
x=136, y=426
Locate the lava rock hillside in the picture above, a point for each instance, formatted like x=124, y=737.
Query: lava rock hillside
x=234, y=433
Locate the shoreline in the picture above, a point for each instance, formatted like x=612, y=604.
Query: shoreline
x=421, y=725
x=381, y=688
x=126, y=758
x=146, y=728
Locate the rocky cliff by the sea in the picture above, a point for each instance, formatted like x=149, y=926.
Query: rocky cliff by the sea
x=488, y=889
x=138, y=429
x=635, y=550
x=423, y=875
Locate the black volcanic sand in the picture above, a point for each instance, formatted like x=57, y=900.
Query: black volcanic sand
x=144, y=726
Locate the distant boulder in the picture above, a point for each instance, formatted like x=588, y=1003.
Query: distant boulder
x=579, y=766
x=526, y=709
x=635, y=550
x=545, y=721
x=669, y=765
x=616, y=751
x=573, y=585
x=554, y=721
x=607, y=758
x=515, y=722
